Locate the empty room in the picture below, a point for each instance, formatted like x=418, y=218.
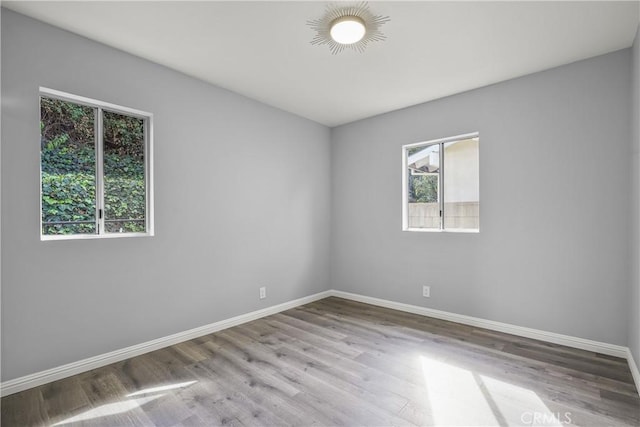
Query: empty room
x=320, y=213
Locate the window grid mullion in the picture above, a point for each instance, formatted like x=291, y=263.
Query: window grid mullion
x=100, y=171
x=147, y=179
x=441, y=185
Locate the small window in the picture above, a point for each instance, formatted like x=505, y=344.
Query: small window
x=95, y=168
x=441, y=190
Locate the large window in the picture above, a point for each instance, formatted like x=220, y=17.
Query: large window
x=441, y=191
x=95, y=161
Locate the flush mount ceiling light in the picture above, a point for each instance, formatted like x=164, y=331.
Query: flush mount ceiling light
x=347, y=30
x=347, y=26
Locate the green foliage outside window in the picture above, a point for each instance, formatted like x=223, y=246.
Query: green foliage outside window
x=423, y=188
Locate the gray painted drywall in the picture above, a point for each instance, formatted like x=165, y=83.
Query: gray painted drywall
x=634, y=300
x=241, y=201
x=552, y=252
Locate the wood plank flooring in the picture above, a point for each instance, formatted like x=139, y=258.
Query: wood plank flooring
x=339, y=362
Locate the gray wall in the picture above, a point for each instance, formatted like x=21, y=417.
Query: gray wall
x=552, y=252
x=241, y=201
x=245, y=194
x=634, y=300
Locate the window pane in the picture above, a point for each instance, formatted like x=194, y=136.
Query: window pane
x=68, y=167
x=124, y=174
x=461, y=184
x=423, y=210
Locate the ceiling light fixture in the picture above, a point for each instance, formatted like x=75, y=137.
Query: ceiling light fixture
x=344, y=25
x=347, y=30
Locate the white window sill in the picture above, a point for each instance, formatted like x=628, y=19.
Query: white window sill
x=92, y=236
x=437, y=230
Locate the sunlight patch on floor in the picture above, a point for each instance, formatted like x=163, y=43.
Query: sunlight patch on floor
x=161, y=388
x=460, y=397
x=520, y=406
x=109, y=409
x=454, y=396
x=123, y=406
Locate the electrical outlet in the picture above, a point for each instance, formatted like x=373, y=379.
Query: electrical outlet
x=426, y=291
x=263, y=292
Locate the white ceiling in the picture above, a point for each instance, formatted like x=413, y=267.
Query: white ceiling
x=433, y=49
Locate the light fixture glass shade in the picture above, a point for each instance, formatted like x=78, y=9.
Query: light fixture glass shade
x=347, y=30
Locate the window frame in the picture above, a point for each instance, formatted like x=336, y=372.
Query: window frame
x=441, y=179
x=99, y=107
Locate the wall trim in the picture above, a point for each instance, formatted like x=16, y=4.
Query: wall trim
x=43, y=377
x=634, y=369
x=567, y=340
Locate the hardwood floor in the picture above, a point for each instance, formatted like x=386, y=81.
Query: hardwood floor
x=338, y=362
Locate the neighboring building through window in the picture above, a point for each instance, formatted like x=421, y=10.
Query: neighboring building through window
x=441, y=185
x=95, y=163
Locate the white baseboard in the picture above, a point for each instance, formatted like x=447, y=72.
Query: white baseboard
x=634, y=369
x=33, y=380
x=569, y=341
